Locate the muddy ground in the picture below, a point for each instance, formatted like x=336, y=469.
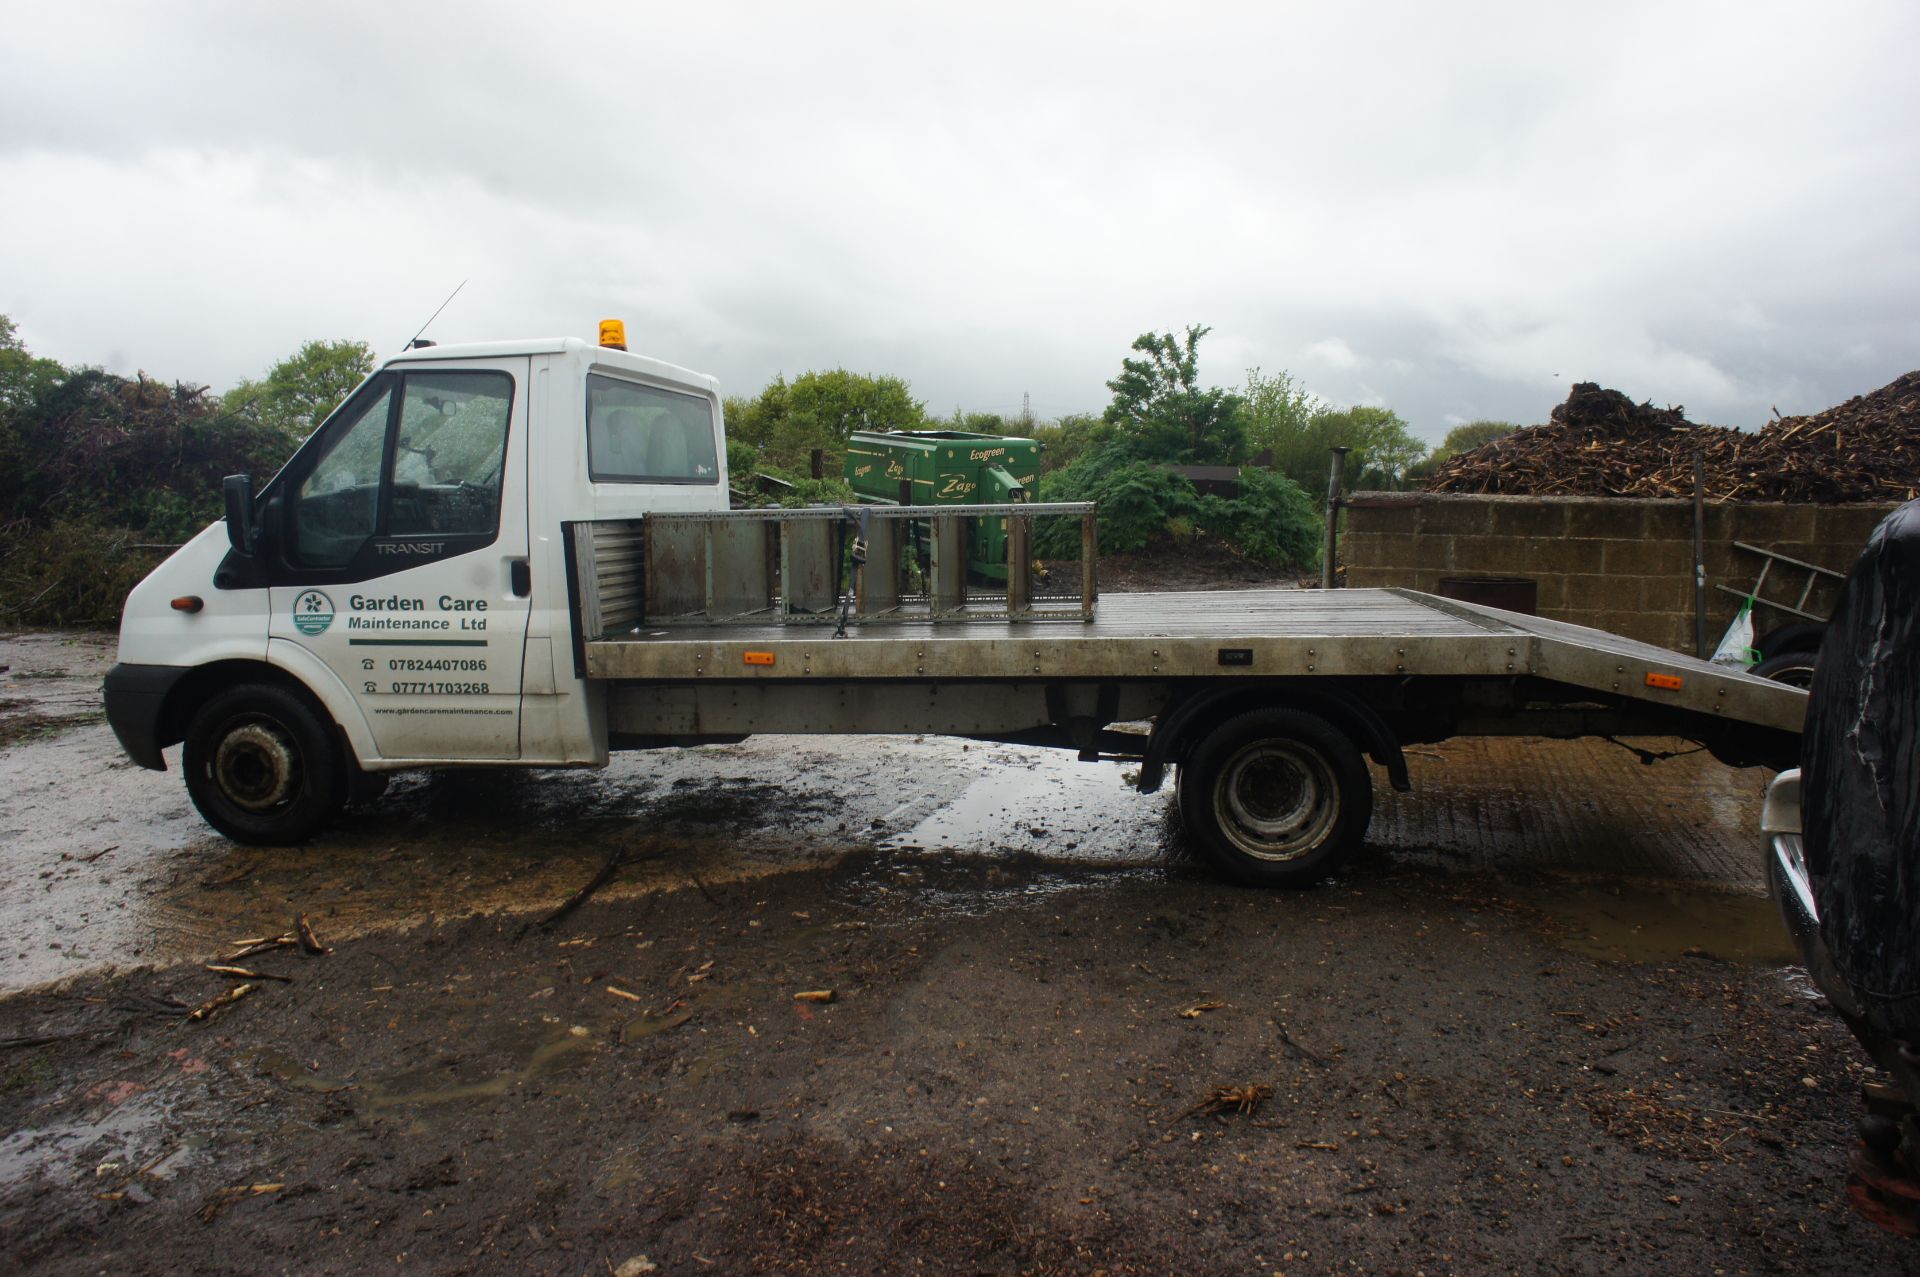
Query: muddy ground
x=1545, y=1024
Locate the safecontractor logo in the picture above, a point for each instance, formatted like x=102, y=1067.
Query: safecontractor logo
x=312, y=612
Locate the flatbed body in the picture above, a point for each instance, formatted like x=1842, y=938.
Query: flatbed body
x=1227, y=635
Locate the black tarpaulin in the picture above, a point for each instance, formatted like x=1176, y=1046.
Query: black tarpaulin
x=1860, y=761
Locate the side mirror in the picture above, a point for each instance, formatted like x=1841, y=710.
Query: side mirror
x=238, y=490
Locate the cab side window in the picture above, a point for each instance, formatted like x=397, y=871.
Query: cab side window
x=643, y=434
x=448, y=454
x=418, y=455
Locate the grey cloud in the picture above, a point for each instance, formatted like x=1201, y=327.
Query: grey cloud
x=1706, y=204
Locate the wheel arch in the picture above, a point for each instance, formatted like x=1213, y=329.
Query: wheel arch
x=1176, y=732
x=184, y=698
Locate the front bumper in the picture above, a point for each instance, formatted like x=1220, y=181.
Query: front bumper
x=135, y=696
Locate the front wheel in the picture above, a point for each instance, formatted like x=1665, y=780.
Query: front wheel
x=260, y=766
x=1275, y=797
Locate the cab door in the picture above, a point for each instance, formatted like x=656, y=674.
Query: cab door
x=399, y=559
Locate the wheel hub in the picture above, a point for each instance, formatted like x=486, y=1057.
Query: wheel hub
x=1278, y=802
x=255, y=767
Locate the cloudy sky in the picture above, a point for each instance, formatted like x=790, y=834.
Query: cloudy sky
x=1453, y=210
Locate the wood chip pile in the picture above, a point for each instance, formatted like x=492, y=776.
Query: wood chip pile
x=1599, y=443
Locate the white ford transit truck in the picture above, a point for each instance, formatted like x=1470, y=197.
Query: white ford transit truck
x=522, y=553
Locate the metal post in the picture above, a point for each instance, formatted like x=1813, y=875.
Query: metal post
x=1336, y=476
x=1089, y=563
x=1019, y=564
x=1699, y=562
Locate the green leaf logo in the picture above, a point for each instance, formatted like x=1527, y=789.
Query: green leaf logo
x=312, y=612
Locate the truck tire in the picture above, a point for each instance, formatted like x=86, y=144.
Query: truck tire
x=1275, y=797
x=261, y=767
x=1795, y=669
x=1795, y=636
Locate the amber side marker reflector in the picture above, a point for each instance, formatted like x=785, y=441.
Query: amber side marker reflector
x=188, y=603
x=757, y=658
x=1671, y=682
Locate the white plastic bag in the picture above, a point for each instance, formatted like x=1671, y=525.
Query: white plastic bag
x=1736, y=648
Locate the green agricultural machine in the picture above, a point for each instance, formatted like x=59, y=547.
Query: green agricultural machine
x=946, y=468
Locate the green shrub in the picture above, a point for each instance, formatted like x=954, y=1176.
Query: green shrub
x=1271, y=520
x=93, y=468
x=742, y=459
x=1142, y=503
x=70, y=573
x=1137, y=499
x=817, y=492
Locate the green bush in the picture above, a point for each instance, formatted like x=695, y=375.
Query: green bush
x=742, y=459
x=1143, y=503
x=817, y=492
x=70, y=573
x=1271, y=520
x=94, y=469
x=1137, y=499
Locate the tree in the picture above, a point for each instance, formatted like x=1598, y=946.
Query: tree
x=1159, y=405
x=95, y=471
x=1277, y=411
x=753, y=420
x=983, y=423
x=298, y=392
x=1470, y=436
x=787, y=420
x=1066, y=440
x=1380, y=448
x=1461, y=439
x=23, y=377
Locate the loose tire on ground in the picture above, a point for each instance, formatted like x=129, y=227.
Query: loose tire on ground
x=1275, y=797
x=260, y=766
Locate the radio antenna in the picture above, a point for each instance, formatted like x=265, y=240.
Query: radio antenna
x=415, y=339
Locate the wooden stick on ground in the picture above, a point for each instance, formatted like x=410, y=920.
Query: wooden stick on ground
x=619, y=860
x=245, y=973
x=212, y=1006
x=309, y=942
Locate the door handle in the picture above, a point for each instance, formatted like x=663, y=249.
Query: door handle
x=520, y=577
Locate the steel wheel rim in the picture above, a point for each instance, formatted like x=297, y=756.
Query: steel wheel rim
x=1276, y=800
x=1800, y=676
x=256, y=766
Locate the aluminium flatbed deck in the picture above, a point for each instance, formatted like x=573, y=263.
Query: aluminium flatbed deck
x=1260, y=634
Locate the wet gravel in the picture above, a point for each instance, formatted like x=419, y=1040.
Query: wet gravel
x=1006, y=1080
x=1543, y=1025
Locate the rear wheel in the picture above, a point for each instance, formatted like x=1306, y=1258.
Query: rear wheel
x=260, y=766
x=1795, y=636
x=1795, y=669
x=1275, y=797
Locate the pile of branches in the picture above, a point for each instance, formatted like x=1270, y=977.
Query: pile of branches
x=1599, y=443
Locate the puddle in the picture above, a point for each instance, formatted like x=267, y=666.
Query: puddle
x=74, y=1149
x=1628, y=923
x=1044, y=803
x=959, y=884
x=295, y=1076
x=1798, y=983
x=433, y=1086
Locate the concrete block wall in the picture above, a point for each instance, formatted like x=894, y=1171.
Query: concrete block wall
x=1617, y=564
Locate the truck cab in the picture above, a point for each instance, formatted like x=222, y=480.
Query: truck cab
x=397, y=596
